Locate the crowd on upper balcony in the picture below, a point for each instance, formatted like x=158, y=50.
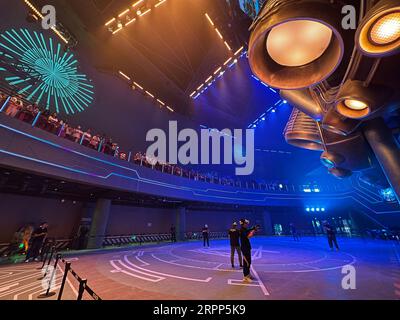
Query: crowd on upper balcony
x=19, y=108
x=28, y=112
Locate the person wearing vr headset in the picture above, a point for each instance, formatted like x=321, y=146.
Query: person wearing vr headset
x=245, y=235
x=234, y=235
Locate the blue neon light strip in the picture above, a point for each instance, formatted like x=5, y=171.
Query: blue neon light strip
x=343, y=196
x=194, y=191
x=220, y=74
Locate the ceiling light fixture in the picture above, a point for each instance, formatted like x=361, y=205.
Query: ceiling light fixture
x=135, y=85
x=379, y=32
x=294, y=47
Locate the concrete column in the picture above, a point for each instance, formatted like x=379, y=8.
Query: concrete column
x=267, y=227
x=180, y=224
x=99, y=223
x=386, y=150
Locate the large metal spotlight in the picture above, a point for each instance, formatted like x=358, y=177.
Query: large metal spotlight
x=357, y=101
x=294, y=46
x=379, y=33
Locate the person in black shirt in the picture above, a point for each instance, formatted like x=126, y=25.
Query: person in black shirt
x=205, y=232
x=245, y=246
x=293, y=231
x=38, y=237
x=234, y=236
x=330, y=232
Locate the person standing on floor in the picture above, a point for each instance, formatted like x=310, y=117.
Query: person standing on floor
x=331, y=234
x=245, y=246
x=27, y=237
x=234, y=236
x=206, y=239
x=38, y=237
x=293, y=231
x=173, y=233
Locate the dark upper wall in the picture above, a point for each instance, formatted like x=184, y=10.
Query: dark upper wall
x=216, y=220
x=17, y=211
x=126, y=220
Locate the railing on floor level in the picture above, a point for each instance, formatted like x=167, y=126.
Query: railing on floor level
x=136, y=239
x=48, y=259
x=212, y=235
x=157, y=238
x=120, y=240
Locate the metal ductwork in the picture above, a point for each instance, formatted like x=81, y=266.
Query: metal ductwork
x=302, y=131
x=336, y=123
x=304, y=101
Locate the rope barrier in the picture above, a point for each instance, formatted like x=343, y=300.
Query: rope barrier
x=83, y=286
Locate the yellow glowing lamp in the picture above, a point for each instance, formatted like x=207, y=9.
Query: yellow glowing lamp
x=379, y=33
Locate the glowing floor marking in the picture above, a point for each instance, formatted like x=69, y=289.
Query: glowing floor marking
x=68, y=281
x=235, y=282
x=20, y=279
x=190, y=266
x=217, y=267
x=137, y=272
x=144, y=263
x=30, y=297
x=211, y=252
x=166, y=274
x=263, y=287
x=9, y=287
x=32, y=284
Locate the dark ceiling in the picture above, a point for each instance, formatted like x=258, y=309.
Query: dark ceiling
x=170, y=52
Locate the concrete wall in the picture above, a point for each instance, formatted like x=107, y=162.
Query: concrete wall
x=125, y=220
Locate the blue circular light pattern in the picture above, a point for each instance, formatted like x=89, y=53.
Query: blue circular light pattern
x=48, y=75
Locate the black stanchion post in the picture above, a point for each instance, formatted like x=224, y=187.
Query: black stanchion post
x=48, y=263
x=66, y=270
x=53, y=274
x=45, y=258
x=82, y=286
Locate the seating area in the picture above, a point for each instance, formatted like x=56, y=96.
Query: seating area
x=18, y=107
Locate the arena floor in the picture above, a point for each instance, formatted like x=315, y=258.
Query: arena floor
x=283, y=269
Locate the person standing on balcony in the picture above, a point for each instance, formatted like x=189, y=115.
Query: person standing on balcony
x=77, y=135
x=14, y=106
x=87, y=137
